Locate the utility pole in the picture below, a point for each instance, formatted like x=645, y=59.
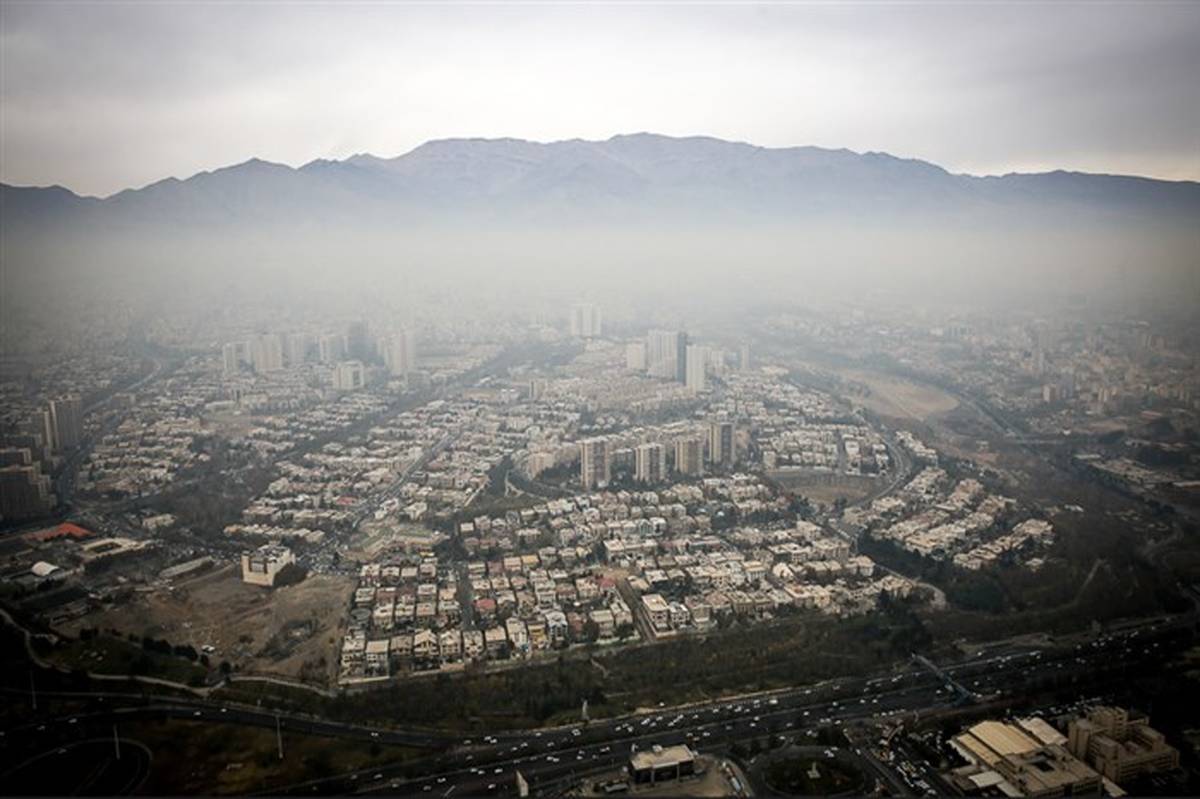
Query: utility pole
x=116, y=742
x=279, y=736
x=32, y=690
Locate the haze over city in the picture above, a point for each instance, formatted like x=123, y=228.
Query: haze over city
x=667, y=399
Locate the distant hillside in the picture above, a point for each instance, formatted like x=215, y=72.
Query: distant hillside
x=628, y=179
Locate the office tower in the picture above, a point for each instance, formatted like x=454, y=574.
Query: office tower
x=358, y=347
x=266, y=353
x=744, y=358
x=400, y=353
x=231, y=358
x=66, y=416
x=585, y=320
x=594, y=470
x=689, y=456
x=349, y=376
x=331, y=348
x=295, y=348
x=651, y=463
x=722, y=444
x=25, y=492
x=635, y=356
x=696, y=368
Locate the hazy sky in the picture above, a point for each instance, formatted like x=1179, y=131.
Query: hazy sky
x=100, y=97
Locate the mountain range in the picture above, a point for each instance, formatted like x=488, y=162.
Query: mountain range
x=634, y=179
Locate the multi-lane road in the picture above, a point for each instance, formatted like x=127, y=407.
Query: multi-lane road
x=548, y=758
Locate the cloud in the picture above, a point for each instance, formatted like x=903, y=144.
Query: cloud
x=101, y=97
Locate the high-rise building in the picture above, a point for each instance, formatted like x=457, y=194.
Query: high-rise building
x=689, y=456
x=331, y=348
x=696, y=368
x=635, y=356
x=400, y=353
x=585, y=320
x=25, y=492
x=349, y=376
x=266, y=353
x=594, y=468
x=722, y=443
x=295, y=348
x=651, y=463
x=41, y=427
x=744, y=357
x=358, y=345
x=681, y=348
x=666, y=354
x=231, y=358
x=66, y=416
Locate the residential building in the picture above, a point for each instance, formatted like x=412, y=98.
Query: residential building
x=585, y=320
x=25, y=493
x=264, y=564
x=66, y=417
x=689, y=456
x=651, y=463
x=266, y=353
x=722, y=443
x=696, y=368
x=400, y=353
x=594, y=465
x=231, y=358
x=331, y=348
x=635, y=356
x=349, y=376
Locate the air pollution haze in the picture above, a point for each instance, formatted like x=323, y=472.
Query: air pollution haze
x=655, y=210
x=537, y=399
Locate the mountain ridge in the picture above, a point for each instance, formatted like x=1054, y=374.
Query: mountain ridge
x=625, y=178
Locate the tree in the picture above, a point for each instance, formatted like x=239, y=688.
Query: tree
x=591, y=631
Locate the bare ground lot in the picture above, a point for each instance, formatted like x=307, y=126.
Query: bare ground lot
x=897, y=397
x=289, y=632
x=826, y=488
x=229, y=759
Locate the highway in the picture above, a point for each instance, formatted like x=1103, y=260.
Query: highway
x=473, y=764
x=547, y=757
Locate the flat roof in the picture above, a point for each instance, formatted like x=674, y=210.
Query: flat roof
x=662, y=758
x=1003, y=739
x=1039, y=729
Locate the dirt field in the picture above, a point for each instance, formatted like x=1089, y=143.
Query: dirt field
x=229, y=759
x=290, y=631
x=893, y=396
x=825, y=489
